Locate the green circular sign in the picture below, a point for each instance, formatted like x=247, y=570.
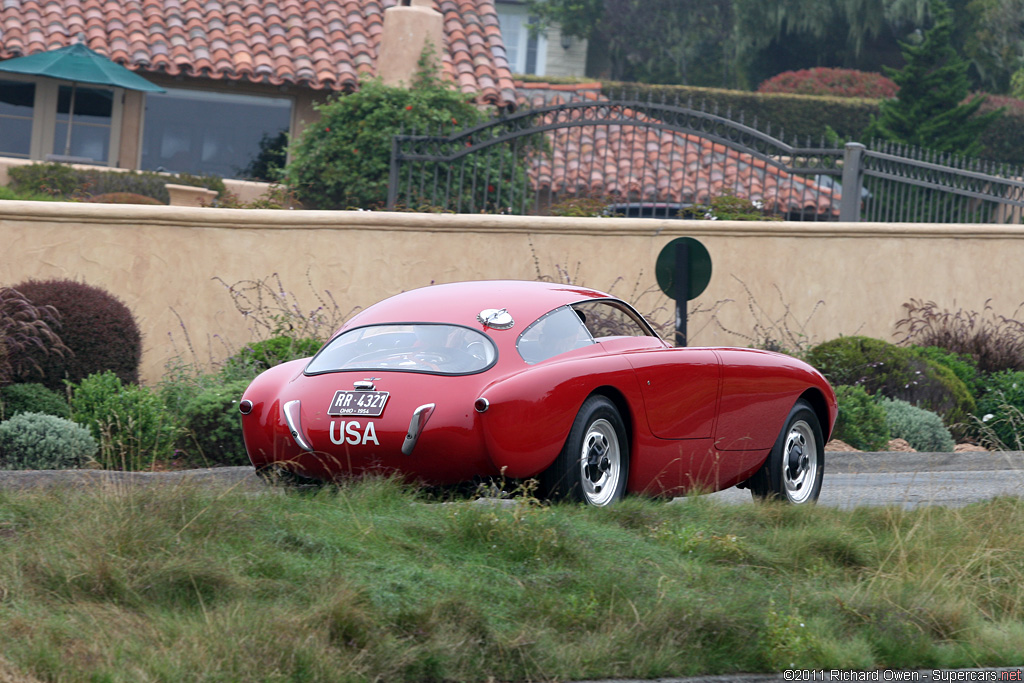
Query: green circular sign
x=697, y=265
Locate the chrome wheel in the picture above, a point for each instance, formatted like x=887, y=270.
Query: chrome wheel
x=593, y=465
x=800, y=464
x=795, y=467
x=600, y=463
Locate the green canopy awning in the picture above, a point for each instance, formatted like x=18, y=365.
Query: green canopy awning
x=78, y=64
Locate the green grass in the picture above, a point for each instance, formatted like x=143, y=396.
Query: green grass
x=374, y=582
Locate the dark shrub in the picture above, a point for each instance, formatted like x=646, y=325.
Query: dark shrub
x=861, y=421
x=32, y=398
x=213, y=426
x=962, y=365
x=95, y=325
x=254, y=358
x=894, y=372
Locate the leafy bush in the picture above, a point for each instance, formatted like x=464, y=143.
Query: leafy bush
x=96, y=326
x=65, y=182
x=342, y=159
x=861, y=422
x=259, y=356
x=26, y=333
x=35, y=441
x=895, y=372
x=129, y=421
x=829, y=81
x=213, y=429
x=1000, y=410
x=993, y=342
x=32, y=398
x=922, y=428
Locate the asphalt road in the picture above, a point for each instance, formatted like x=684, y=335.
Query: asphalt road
x=851, y=479
x=913, y=479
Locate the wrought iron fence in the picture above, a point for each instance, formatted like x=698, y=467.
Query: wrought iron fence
x=627, y=156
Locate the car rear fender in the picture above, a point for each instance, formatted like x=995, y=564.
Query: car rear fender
x=529, y=415
x=265, y=433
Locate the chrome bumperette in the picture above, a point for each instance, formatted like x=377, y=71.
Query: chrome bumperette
x=294, y=421
x=416, y=425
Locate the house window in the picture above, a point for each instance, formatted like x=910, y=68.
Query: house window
x=85, y=134
x=205, y=132
x=37, y=121
x=17, y=100
x=526, y=52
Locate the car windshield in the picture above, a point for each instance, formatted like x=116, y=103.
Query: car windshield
x=418, y=347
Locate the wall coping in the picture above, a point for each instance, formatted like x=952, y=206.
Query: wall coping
x=282, y=219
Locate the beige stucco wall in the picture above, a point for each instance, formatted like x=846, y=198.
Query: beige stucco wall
x=162, y=262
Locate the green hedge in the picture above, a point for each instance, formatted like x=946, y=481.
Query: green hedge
x=806, y=118
x=66, y=182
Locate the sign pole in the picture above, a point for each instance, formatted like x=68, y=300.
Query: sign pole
x=682, y=287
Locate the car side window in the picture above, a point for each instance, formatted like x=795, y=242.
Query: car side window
x=554, y=333
x=610, y=319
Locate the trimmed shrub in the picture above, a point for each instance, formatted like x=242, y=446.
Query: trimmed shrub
x=35, y=441
x=895, y=372
x=254, y=358
x=213, y=428
x=97, y=326
x=829, y=81
x=124, y=198
x=32, y=398
x=963, y=366
x=129, y=421
x=861, y=422
x=922, y=428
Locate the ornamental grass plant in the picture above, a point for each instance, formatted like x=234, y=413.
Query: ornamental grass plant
x=375, y=581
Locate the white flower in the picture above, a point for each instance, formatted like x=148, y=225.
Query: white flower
x=988, y=416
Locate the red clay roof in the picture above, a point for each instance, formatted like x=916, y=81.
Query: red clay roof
x=328, y=44
x=638, y=163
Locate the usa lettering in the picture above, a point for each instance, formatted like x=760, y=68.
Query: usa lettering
x=353, y=433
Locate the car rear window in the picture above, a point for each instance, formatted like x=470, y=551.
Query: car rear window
x=418, y=347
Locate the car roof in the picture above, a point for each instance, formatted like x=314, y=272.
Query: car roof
x=460, y=302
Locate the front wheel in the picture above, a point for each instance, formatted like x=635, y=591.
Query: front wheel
x=795, y=467
x=594, y=463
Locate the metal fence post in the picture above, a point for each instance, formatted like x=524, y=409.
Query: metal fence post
x=393, y=175
x=853, y=179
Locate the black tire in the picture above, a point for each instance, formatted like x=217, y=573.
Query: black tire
x=795, y=467
x=594, y=463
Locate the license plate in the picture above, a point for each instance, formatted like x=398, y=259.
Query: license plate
x=362, y=403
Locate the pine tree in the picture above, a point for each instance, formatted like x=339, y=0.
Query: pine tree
x=929, y=111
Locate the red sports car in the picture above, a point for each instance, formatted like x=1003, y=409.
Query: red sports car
x=456, y=382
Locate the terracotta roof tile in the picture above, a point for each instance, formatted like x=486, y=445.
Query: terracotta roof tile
x=634, y=163
x=326, y=44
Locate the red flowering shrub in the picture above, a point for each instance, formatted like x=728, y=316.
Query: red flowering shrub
x=835, y=82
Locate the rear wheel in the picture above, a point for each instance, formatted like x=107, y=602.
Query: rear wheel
x=795, y=467
x=594, y=463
